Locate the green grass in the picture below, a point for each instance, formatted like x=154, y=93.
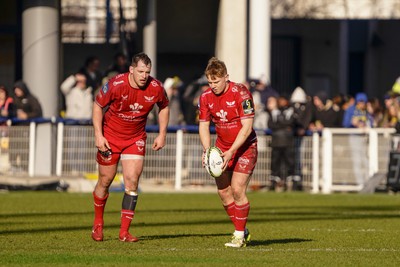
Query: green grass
x=288, y=229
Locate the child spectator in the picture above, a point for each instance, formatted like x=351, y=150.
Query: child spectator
x=7, y=110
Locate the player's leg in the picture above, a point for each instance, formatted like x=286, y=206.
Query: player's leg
x=242, y=207
x=132, y=166
x=225, y=193
x=243, y=165
x=100, y=195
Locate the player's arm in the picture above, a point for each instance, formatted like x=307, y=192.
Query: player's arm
x=244, y=133
x=205, y=136
x=163, y=118
x=204, y=133
x=68, y=84
x=97, y=118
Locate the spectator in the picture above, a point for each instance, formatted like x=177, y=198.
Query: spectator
x=281, y=122
x=375, y=110
x=391, y=111
x=348, y=101
x=92, y=73
x=120, y=65
x=78, y=96
x=261, y=92
x=27, y=105
x=356, y=116
x=324, y=113
x=7, y=110
x=191, y=97
x=338, y=102
x=172, y=86
x=302, y=107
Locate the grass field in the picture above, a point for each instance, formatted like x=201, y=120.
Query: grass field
x=288, y=229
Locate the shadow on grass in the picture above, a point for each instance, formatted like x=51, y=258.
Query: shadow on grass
x=254, y=243
x=169, y=236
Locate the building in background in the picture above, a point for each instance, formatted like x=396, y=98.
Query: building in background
x=336, y=45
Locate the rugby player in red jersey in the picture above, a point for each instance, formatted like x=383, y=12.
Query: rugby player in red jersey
x=230, y=107
x=119, y=119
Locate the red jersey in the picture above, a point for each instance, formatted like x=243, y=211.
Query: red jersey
x=128, y=107
x=226, y=111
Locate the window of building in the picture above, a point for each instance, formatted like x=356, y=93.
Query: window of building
x=97, y=21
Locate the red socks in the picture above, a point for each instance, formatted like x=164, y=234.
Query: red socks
x=99, y=204
x=238, y=214
x=230, y=210
x=126, y=219
x=241, y=213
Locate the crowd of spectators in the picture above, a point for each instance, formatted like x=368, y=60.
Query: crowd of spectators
x=285, y=117
x=310, y=112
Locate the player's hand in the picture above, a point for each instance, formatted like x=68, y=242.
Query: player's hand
x=203, y=158
x=102, y=143
x=159, y=143
x=227, y=155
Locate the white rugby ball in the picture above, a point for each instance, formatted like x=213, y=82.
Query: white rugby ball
x=213, y=161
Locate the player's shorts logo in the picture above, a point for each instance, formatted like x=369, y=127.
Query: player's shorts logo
x=140, y=143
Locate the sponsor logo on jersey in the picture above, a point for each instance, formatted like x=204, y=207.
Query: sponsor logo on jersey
x=230, y=104
x=154, y=83
x=243, y=160
x=104, y=89
x=211, y=106
x=248, y=106
x=115, y=83
x=135, y=108
x=222, y=115
x=235, y=89
x=126, y=117
x=149, y=98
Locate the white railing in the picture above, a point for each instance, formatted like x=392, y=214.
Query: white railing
x=351, y=156
x=325, y=163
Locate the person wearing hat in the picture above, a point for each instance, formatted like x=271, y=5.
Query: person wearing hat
x=357, y=116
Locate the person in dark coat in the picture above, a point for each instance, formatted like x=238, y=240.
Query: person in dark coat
x=324, y=113
x=27, y=106
x=281, y=122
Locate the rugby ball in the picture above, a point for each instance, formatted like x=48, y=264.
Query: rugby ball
x=213, y=161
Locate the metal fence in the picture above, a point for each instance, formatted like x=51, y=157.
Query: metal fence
x=326, y=162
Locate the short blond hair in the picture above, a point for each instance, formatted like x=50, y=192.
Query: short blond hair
x=215, y=68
